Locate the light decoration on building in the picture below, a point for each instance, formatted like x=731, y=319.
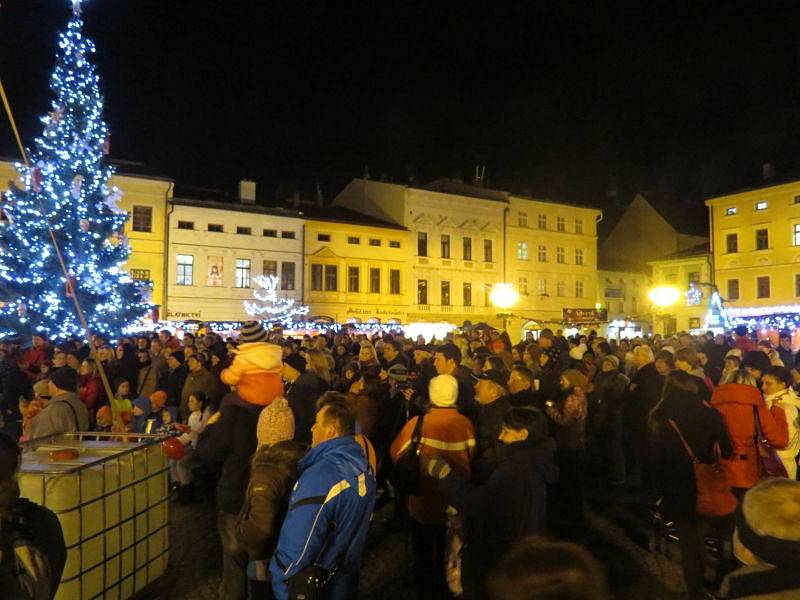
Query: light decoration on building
x=66, y=188
x=694, y=295
x=269, y=307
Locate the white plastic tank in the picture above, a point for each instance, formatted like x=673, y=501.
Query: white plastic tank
x=112, y=502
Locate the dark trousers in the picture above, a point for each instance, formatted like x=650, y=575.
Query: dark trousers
x=565, y=498
x=234, y=560
x=428, y=547
x=692, y=540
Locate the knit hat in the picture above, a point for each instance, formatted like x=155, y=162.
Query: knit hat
x=179, y=356
x=252, y=331
x=297, y=362
x=275, y=423
x=578, y=351
x=65, y=378
x=575, y=378
x=158, y=399
x=398, y=372
x=443, y=391
x=610, y=358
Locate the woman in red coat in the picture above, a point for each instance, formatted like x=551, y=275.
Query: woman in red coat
x=738, y=401
x=90, y=386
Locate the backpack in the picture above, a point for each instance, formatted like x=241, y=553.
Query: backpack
x=405, y=475
x=25, y=572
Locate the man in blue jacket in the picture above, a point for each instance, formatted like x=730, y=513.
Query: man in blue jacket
x=330, y=508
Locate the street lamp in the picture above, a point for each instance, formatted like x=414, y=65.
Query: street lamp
x=663, y=297
x=503, y=296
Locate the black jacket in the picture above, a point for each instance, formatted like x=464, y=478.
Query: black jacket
x=13, y=384
x=487, y=429
x=226, y=447
x=172, y=383
x=526, y=398
x=302, y=396
x=643, y=394
x=466, y=393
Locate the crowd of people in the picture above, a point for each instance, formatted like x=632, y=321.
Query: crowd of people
x=303, y=436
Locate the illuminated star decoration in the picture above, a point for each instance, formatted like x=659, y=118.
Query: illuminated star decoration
x=269, y=306
x=76, y=7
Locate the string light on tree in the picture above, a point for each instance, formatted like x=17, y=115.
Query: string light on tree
x=271, y=308
x=66, y=191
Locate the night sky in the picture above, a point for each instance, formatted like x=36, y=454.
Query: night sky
x=558, y=99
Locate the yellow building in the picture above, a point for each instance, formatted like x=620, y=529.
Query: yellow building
x=756, y=246
x=689, y=271
x=551, y=258
x=145, y=200
x=356, y=268
x=623, y=294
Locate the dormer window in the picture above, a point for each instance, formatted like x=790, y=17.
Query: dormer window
x=761, y=205
x=731, y=210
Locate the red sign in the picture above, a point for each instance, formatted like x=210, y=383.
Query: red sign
x=584, y=315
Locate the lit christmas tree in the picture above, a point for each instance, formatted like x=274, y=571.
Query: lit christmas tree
x=269, y=307
x=66, y=192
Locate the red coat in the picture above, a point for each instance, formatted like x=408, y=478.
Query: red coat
x=736, y=401
x=90, y=390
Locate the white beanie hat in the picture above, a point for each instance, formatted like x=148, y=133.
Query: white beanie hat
x=443, y=391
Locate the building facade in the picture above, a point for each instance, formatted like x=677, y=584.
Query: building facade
x=217, y=249
x=689, y=271
x=623, y=294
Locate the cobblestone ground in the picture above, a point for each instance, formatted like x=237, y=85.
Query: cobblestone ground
x=194, y=566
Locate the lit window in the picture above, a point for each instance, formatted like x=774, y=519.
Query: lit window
x=561, y=224
x=244, y=231
x=522, y=250
x=561, y=257
x=142, y=219
x=242, y=273
x=761, y=205
x=731, y=210
x=578, y=256
x=542, y=253
x=796, y=235
x=185, y=269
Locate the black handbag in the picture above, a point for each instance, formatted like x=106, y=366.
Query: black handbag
x=405, y=475
x=308, y=584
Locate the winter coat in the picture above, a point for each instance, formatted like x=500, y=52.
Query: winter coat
x=302, y=396
x=90, y=391
x=227, y=446
x=570, y=414
x=643, y=394
x=148, y=380
x=511, y=504
x=64, y=413
x=790, y=403
x=13, y=385
x=327, y=519
x=671, y=469
x=273, y=473
x=466, y=393
x=609, y=394
x=448, y=434
x=526, y=399
x=488, y=448
x=202, y=381
x=736, y=403
x=173, y=384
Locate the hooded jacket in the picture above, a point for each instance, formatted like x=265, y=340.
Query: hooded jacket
x=736, y=402
x=790, y=403
x=328, y=517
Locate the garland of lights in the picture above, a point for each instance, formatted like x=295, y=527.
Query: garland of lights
x=66, y=189
x=694, y=295
x=271, y=308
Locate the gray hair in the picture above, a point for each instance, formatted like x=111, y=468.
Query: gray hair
x=644, y=351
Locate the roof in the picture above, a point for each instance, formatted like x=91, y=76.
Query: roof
x=698, y=250
x=131, y=168
x=458, y=188
x=339, y=214
x=239, y=207
x=763, y=185
x=684, y=217
x=558, y=202
x=623, y=266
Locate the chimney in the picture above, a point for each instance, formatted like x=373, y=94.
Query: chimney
x=767, y=171
x=247, y=191
x=478, y=178
x=320, y=197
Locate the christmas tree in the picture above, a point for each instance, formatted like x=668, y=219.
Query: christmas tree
x=269, y=307
x=65, y=198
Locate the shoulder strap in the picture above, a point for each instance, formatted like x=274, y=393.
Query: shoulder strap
x=416, y=436
x=683, y=440
x=74, y=414
x=759, y=433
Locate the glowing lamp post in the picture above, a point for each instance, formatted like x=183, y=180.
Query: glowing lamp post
x=503, y=296
x=662, y=298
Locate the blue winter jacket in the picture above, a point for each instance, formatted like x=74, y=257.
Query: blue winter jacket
x=328, y=518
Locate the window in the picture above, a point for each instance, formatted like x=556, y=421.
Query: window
x=374, y=281
x=732, y=243
x=394, y=244
x=323, y=237
x=352, y=279
x=242, y=273
x=422, y=243
x=522, y=250
x=761, y=205
x=140, y=274
x=542, y=253
x=244, y=231
x=445, y=293
x=331, y=278
x=185, y=269
x=142, y=219
x=730, y=211
x=487, y=293
x=542, y=221
x=185, y=224
x=579, y=289
x=762, y=239
x=762, y=287
x=578, y=256
x=394, y=281
x=541, y=286
x=269, y=267
x=694, y=278
x=522, y=219
x=796, y=234
x=353, y=240
x=733, y=289
x=487, y=251
x=522, y=284
x=374, y=242
x=287, y=275
x=797, y=284
x=422, y=291
x=270, y=233
x=561, y=256
x=561, y=224
x=797, y=199
x=467, y=248
x=215, y=228
x=288, y=235
x=466, y=292
x=579, y=226
x=316, y=278
x=445, y=246
x=561, y=288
